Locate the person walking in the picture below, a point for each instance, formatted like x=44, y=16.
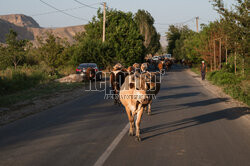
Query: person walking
x=203, y=70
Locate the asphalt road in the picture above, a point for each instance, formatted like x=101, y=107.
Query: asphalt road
x=189, y=126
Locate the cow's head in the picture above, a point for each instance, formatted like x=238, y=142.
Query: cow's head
x=138, y=84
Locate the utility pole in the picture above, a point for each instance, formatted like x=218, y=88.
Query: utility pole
x=197, y=25
x=214, y=56
x=235, y=67
x=104, y=21
x=226, y=50
x=220, y=53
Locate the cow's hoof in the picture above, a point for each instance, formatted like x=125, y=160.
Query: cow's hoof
x=131, y=134
x=138, y=138
x=149, y=113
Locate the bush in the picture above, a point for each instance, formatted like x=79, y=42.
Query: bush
x=224, y=78
x=234, y=85
x=21, y=78
x=67, y=70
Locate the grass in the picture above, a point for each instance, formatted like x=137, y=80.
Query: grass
x=195, y=70
x=43, y=90
x=237, y=86
x=28, y=82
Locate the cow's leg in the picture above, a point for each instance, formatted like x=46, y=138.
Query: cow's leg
x=116, y=98
x=149, y=107
x=131, y=122
x=138, y=121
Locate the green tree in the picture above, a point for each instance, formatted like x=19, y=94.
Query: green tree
x=91, y=51
x=172, y=35
x=236, y=23
x=123, y=37
x=177, y=38
x=50, y=50
x=146, y=25
x=14, y=52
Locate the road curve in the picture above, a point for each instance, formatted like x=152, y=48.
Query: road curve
x=189, y=126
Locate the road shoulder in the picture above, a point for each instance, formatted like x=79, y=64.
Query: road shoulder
x=218, y=92
x=38, y=104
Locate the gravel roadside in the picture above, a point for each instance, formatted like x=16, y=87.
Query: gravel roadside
x=218, y=92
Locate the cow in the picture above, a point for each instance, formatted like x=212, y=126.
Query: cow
x=161, y=66
x=117, y=78
x=136, y=66
x=154, y=86
x=130, y=70
x=90, y=73
x=133, y=96
x=168, y=64
x=144, y=67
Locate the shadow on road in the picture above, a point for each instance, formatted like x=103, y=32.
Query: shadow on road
x=228, y=114
x=176, y=87
x=186, y=105
x=177, y=96
x=71, y=122
x=205, y=102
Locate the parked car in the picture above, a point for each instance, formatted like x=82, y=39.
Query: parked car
x=161, y=58
x=82, y=69
x=167, y=56
x=155, y=58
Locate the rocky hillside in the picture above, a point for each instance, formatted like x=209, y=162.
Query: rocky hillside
x=20, y=20
x=28, y=28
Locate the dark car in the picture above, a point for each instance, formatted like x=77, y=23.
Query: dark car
x=82, y=68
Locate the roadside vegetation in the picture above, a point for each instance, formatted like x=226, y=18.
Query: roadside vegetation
x=25, y=68
x=222, y=44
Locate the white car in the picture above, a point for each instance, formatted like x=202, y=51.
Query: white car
x=168, y=56
x=155, y=58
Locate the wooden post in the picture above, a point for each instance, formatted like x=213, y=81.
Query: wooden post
x=226, y=49
x=197, y=25
x=104, y=21
x=214, y=57
x=220, y=55
x=243, y=66
x=211, y=64
x=235, y=68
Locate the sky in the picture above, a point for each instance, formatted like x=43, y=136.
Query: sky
x=164, y=11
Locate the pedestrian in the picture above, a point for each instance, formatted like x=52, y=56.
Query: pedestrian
x=203, y=70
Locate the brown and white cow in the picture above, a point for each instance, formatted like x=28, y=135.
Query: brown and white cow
x=144, y=67
x=137, y=67
x=130, y=70
x=161, y=66
x=154, y=86
x=90, y=73
x=133, y=95
x=168, y=64
x=117, y=78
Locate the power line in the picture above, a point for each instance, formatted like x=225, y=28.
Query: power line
x=69, y=9
x=85, y=4
x=176, y=23
x=63, y=11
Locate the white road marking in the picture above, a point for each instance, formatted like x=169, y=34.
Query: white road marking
x=111, y=147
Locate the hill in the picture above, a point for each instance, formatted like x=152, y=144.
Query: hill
x=28, y=28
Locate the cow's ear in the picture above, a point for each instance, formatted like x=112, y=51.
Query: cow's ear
x=131, y=85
